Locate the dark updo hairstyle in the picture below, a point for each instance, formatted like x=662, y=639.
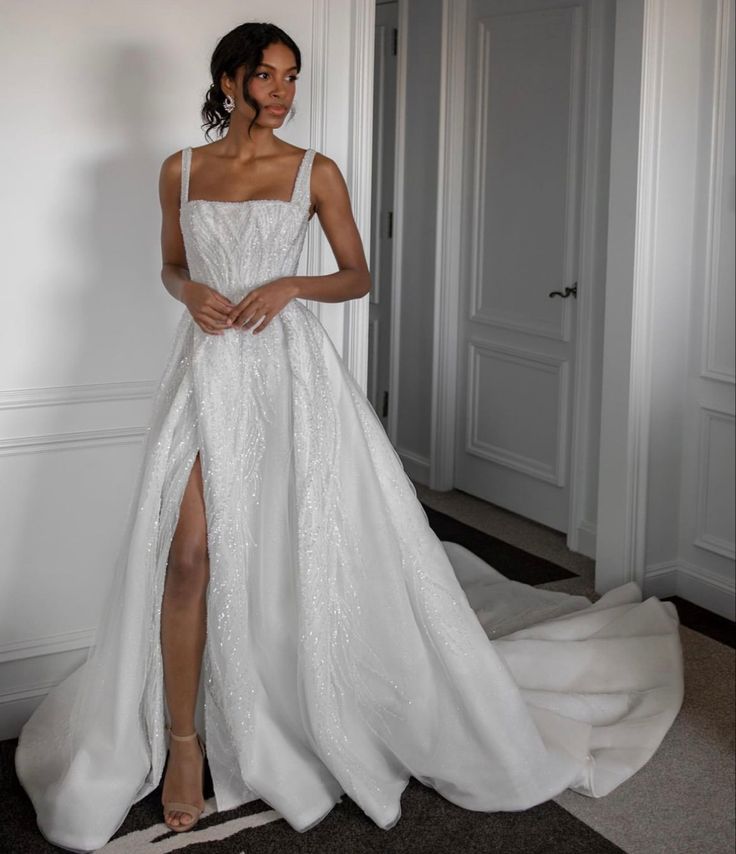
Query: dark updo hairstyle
x=242, y=46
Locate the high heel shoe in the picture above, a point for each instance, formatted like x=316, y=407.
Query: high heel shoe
x=190, y=809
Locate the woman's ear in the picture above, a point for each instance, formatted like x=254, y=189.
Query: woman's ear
x=226, y=84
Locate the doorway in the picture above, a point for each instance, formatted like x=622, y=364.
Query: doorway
x=494, y=323
x=522, y=228
x=380, y=305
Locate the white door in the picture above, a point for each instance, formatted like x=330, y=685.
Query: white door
x=384, y=131
x=526, y=76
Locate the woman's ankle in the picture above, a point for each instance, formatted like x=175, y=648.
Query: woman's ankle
x=179, y=730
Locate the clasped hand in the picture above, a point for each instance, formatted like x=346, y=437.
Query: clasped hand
x=214, y=313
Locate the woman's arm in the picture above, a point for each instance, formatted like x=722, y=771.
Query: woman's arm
x=335, y=214
x=174, y=270
x=209, y=309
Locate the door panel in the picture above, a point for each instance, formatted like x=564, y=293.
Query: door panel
x=495, y=433
x=517, y=343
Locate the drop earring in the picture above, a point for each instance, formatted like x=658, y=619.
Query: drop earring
x=229, y=103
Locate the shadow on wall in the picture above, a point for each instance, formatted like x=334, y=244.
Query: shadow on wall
x=114, y=306
x=118, y=319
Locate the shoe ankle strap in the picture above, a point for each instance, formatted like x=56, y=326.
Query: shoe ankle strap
x=182, y=737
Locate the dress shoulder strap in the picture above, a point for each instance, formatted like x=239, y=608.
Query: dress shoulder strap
x=186, y=162
x=301, y=185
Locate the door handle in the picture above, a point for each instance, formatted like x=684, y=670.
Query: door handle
x=573, y=291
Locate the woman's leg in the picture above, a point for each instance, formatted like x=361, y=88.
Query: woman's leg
x=183, y=627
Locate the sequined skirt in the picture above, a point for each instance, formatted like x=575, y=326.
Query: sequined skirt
x=342, y=653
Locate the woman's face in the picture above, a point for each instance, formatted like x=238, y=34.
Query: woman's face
x=272, y=86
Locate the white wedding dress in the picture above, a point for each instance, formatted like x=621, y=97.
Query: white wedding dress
x=347, y=646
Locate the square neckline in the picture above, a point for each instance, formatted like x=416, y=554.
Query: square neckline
x=290, y=201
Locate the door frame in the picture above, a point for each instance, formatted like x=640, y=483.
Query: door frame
x=635, y=136
x=633, y=266
x=581, y=531
x=397, y=258
x=397, y=206
x=350, y=144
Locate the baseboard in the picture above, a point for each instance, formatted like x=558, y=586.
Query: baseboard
x=17, y=706
x=586, y=539
x=694, y=583
x=416, y=466
x=30, y=670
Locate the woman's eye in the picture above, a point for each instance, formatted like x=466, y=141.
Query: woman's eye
x=266, y=74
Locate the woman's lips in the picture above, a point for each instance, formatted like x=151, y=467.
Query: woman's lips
x=279, y=111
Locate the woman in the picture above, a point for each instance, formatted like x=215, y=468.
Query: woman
x=276, y=546
x=248, y=162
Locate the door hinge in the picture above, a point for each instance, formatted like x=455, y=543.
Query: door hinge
x=390, y=225
x=395, y=39
x=384, y=408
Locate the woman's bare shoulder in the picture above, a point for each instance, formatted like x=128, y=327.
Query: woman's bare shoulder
x=171, y=168
x=170, y=174
x=327, y=178
x=322, y=161
x=173, y=162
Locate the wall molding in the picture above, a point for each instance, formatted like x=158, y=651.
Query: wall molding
x=50, y=442
x=555, y=365
x=703, y=539
x=19, y=695
x=64, y=395
x=46, y=645
x=716, y=188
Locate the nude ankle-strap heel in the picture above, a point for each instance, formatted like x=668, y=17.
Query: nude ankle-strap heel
x=190, y=809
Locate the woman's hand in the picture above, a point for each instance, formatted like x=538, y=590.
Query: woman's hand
x=209, y=308
x=263, y=303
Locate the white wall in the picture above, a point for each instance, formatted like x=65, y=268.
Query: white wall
x=690, y=536
x=666, y=496
x=95, y=96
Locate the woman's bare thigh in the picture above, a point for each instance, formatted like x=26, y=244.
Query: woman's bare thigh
x=188, y=553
